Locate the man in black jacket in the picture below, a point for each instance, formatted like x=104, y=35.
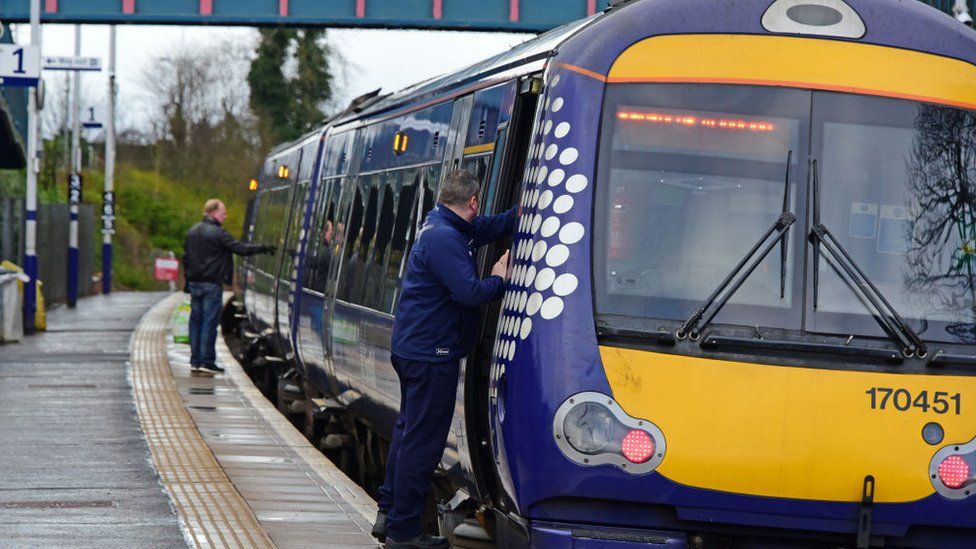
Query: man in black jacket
x=207, y=266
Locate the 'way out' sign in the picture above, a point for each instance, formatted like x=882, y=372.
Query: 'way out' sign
x=64, y=63
x=19, y=65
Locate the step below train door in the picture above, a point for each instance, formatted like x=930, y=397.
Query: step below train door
x=496, y=149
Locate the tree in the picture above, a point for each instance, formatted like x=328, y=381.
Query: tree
x=202, y=129
x=287, y=106
x=270, y=99
x=313, y=83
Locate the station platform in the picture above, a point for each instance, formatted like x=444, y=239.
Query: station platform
x=108, y=440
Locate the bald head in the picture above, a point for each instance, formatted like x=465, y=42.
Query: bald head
x=215, y=209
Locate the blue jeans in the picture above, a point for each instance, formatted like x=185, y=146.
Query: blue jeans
x=205, y=302
x=427, y=394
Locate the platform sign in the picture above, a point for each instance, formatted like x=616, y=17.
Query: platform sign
x=74, y=189
x=167, y=269
x=68, y=63
x=19, y=65
x=108, y=212
x=92, y=118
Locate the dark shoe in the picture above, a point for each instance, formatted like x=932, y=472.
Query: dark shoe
x=379, y=527
x=423, y=541
x=212, y=368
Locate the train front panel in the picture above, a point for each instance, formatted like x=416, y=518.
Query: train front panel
x=742, y=299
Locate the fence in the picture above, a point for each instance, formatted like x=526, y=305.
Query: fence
x=52, y=245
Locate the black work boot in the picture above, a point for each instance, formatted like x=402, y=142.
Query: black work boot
x=423, y=541
x=379, y=526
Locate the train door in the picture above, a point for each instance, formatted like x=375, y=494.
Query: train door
x=288, y=254
x=500, y=193
x=321, y=255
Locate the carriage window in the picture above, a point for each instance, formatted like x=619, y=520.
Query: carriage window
x=352, y=232
x=405, y=210
x=261, y=230
x=323, y=237
x=361, y=238
x=433, y=185
x=478, y=165
x=375, y=276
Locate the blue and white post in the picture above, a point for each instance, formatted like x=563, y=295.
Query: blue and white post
x=74, y=180
x=33, y=168
x=108, y=196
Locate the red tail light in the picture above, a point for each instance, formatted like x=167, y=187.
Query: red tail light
x=954, y=471
x=637, y=446
x=592, y=429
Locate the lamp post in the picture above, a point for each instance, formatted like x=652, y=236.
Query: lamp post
x=30, y=202
x=108, y=196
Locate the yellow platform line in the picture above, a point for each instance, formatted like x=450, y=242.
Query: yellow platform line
x=211, y=510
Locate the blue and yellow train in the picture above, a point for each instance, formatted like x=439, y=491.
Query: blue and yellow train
x=741, y=311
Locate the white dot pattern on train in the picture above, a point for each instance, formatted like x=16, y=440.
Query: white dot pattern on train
x=540, y=280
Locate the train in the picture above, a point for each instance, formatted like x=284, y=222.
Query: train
x=741, y=310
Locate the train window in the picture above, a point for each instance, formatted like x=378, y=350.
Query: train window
x=432, y=186
x=361, y=238
x=376, y=275
x=323, y=236
x=307, y=161
x=352, y=232
x=479, y=166
x=406, y=206
x=693, y=177
x=898, y=199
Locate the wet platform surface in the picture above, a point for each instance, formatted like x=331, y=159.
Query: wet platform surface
x=297, y=496
x=108, y=440
x=74, y=467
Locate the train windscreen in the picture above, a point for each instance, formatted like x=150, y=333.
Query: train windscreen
x=898, y=190
x=695, y=176
x=691, y=176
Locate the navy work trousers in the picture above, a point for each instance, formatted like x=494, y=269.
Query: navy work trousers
x=205, y=301
x=427, y=394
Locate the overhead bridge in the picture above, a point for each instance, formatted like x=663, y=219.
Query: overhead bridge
x=483, y=15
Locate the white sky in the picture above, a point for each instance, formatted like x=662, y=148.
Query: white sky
x=390, y=59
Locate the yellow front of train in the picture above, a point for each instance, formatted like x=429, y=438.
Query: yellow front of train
x=783, y=259
x=697, y=185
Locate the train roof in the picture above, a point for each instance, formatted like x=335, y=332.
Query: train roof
x=595, y=42
x=909, y=25
x=538, y=48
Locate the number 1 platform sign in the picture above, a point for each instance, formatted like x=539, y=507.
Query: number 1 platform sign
x=19, y=65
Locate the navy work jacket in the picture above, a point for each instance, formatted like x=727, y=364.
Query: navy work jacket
x=437, y=316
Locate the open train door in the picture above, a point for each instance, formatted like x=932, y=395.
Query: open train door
x=500, y=193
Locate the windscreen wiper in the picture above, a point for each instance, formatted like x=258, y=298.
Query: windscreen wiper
x=854, y=278
x=693, y=327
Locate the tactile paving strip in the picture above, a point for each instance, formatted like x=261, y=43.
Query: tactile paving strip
x=211, y=510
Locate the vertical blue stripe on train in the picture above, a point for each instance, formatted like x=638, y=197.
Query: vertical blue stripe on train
x=554, y=352
x=297, y=282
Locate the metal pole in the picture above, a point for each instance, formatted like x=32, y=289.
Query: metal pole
x=73, y=199
x=108, y=198
x=30, y=203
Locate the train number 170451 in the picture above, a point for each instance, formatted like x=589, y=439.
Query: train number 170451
x=939, y=402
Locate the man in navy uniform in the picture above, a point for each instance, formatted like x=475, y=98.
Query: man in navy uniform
x=437, y=320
